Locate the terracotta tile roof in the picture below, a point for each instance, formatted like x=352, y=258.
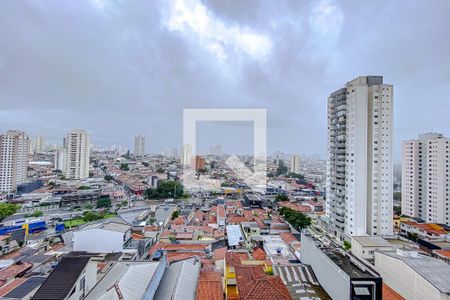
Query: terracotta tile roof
x=14, y=270
x=185, y=247
x=294, y=206
x=209, y=286
x=390, y=294
x=221, y=211
x=259, y=254
x=177, y=256
x=151, y=228
x=11, y=286
x=219, y=253
x=178, y=221
x=443, y=253
x=253, y=283
x=287, y=237
x=234, y=258
x=428, y=227
x=238, y=219
x=136, y=236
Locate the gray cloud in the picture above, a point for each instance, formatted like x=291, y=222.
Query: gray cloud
x=121, y=68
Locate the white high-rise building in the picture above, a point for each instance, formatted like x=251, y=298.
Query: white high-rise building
x=14, y=149
x=359, y=166
x=295, y=164
x=425, y=178
x=39, y=145
x=77, y=154
x=139, y=146
x=186, y=158
x=58, y=162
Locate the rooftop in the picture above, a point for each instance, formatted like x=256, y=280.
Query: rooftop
x=131, y=277
x=179, y=281
x=434, y=270
x=371, y=241
x=209, y=286
x=60, y=282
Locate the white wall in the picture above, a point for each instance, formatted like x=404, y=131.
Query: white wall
x=98, y=240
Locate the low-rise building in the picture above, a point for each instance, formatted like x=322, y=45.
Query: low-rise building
x=414, y=276
x=364, y=247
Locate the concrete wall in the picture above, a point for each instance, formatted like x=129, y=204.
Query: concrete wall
x=98, y=241
x=335, y=282
x=404, y=280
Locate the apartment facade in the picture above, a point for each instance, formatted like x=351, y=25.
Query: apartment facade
x=295, y=164
x=14, y=149
x=77, y=154
x=425, y=178
x=359, y=164
x=139, y=146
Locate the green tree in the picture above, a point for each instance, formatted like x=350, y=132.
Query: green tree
x=175, y=215
x=108, y=177
x=88, y=206
x=83, y=187
x=7, y=209
x=92, y=216
x=124, y=203
x=297, y=219
x=282, y=168
x=281, y=197
x=124, y=167
x=346, y=245
x=103, y=202
x=165, y=189
x=160, y=170
x=296, y=175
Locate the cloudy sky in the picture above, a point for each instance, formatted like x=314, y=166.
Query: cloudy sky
x=122, y=68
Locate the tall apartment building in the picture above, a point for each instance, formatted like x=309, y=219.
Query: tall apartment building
x=77, y=154
x=359, y=166
x=186, y=157
x=425, y=178
x=14, y=149
x=139, y=146
x=39, y=145
x=58, y=161
x=295, y=164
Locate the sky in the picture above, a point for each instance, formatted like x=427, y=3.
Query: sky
x=122, y=68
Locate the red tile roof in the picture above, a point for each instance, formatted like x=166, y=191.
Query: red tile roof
x=209, y=286
x=14, y=270
x=219, y=253
x=253, y=283
x=10, y=286
x=259, y=254
x=287, y=237
x=390, y=294
x=177, y=256
x=443, y=253
x=234, y=258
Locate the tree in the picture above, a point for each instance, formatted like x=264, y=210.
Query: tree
x=92, y=216
x=108, y=177
x=281, y=197
x=297, y=219
x=35, y=214
x=165, y=189
x=88, y=206
x=83, y=187
x=160, y=170
x=398, y=210
x=296, y=175
x=103, y=202
x=175, y=215
x=7, y=209
x=346, y=245
x=282, y=168
x=124, y=167
x=124, y=203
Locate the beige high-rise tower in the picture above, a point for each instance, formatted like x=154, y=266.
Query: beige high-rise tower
x=425, y=178
x=14, y=148
x=77, y=154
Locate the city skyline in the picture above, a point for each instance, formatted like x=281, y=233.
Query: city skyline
x=286, y=58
